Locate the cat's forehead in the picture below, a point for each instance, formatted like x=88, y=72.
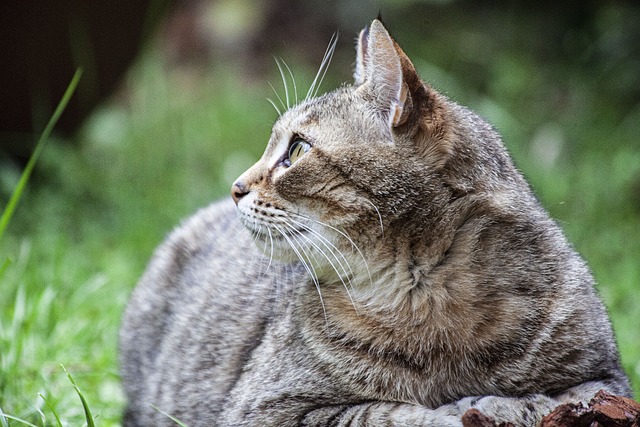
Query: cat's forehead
x=310, y=111
x=298, y=117
x=337, y=110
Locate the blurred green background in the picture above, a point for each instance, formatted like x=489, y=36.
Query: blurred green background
x=560, y=82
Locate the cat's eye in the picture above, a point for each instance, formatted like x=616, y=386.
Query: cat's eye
x=298, y=148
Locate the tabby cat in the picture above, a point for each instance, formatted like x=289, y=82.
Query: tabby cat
x=405, y=274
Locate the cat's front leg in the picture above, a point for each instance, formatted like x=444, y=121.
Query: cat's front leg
x=528, y=411
x=373, y=414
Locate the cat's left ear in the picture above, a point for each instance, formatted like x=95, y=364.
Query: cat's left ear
x=379, y=70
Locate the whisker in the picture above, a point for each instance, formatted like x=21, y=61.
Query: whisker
x=332, y=50
x=284, y=82
x=324, y=65
x=293, y=80
x=257, y=263
x=331, y=247
x=274, y=106
x=284, y=106
x=307, y=266
x=324, y=254
x=346, y=236
x=270, y=252
x=300, y=247
x=257, y=255
x=256, y=252
x=256, y=234
x=379, y=216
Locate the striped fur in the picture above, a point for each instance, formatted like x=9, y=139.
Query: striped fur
x=397, y=272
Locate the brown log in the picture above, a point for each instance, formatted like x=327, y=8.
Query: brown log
x=604, y=410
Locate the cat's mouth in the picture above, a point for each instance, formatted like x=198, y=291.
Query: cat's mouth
x=275, y=234
x=270, y=228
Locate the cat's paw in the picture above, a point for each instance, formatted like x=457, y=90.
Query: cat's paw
x=520, y=411
x=415, y=415
x=443, y=416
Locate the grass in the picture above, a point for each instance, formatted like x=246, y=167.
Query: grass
x=11, y=358
x=10, y=208
x=93, y=212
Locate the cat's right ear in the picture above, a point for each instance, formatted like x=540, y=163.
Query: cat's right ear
x=379, y=72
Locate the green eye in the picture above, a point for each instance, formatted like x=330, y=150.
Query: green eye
x=298, y=149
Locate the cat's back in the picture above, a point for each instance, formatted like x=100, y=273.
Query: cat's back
x=204, y=295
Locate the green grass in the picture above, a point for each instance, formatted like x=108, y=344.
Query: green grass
x=10, y=208
x=93, y=212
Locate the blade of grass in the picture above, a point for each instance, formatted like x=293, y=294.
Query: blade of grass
x=174, y=419
x=43, y=418
x=3, y=420
x=24, y=178
x=4, y=423
x=87, y=411
x=52, y=409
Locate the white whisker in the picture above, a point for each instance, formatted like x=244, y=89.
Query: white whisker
x=379, y=216
x=324, y=65
x=284, y=82
x=270, y=252
x=284, y=106
x=274, y=106
x=322, y=252
x=307, y=266
x=331, y=247
x=293, y=80
x=346, y=236
x=256, y=255
x=307, y=257
x=344, y=273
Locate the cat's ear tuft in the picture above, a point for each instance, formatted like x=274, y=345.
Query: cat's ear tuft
x=379, y=71
x=361, y=56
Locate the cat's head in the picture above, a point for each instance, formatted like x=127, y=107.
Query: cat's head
x=349, y=173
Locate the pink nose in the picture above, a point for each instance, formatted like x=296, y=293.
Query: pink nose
x=238, y=191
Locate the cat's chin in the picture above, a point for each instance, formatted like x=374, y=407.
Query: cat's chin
x=275, y=248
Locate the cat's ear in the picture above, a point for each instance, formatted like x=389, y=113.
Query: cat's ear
x=361, y=56
x=379, y=71
x=388, y=78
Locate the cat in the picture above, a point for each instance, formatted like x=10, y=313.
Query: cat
x=405, y=274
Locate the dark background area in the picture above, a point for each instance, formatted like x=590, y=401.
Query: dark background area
x=44, y=42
